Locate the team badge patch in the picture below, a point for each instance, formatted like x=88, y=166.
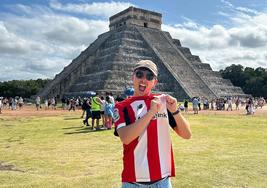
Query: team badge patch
x=116, y=115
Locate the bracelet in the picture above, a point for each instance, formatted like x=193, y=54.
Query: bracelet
x=176, y=112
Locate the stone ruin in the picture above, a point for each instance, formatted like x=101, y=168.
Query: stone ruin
x=135, y=34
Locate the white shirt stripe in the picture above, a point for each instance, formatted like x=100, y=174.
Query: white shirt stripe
x=140, y=153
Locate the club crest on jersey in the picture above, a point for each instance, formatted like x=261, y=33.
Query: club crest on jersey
x=116, y=115
x=160, y=115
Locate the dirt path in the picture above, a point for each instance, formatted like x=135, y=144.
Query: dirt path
x=28, y=111
x=241, y=111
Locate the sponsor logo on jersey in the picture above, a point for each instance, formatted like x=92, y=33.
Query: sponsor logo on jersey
x=160, y=115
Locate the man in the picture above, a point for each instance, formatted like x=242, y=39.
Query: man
x=142, y=122
x=95, y=107
x=1, y=104
x=38, y=102
x=195, y=105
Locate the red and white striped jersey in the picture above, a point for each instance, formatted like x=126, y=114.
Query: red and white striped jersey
x=149, y=157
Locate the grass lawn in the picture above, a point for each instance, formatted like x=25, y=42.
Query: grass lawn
x=57, y=151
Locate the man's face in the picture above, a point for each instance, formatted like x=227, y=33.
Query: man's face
x=143, y=81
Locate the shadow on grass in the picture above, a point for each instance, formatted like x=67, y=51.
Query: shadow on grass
x=8, y=167
x=72, y=127
x=71, y=118
x=85, y=130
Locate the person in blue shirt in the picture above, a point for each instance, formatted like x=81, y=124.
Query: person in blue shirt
x=109, y=108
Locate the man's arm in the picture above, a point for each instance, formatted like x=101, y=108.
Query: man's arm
x=99, y=100
x=182, y=125
x=130, y=132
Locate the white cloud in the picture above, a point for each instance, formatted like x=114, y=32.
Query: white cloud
x=104, y=9
x=41, y=44
x=73, y=30
x=247, y=10
x=11, y=43
x=227, y=3
x=245, y=42
x=40, y=40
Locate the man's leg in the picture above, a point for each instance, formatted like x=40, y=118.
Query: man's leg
x=97, y=124
x=93, y=123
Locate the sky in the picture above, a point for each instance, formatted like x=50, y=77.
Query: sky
x=38, y=38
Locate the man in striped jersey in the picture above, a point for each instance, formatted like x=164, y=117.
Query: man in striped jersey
x=143, y=122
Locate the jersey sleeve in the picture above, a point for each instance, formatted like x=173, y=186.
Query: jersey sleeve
x=172, y=121
x=119, y=119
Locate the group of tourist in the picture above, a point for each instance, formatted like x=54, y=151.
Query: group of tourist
x=52, y=102
x=198, y=103
x=99, y=108
x=12, y=103
x=224, y=103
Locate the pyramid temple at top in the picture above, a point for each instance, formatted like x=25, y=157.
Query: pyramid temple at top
x=135, y=34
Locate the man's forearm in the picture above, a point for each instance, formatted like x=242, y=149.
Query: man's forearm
x=183, y=127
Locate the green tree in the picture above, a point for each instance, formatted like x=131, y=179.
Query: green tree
x=235, y=73
x=23, y=88
x=252, y=81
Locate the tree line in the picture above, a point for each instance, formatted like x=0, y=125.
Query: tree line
x=252, y=81
x=22, y=88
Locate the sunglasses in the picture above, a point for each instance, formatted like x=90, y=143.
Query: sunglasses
x=140, y=74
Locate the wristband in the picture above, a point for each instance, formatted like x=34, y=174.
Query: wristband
x=176, y=112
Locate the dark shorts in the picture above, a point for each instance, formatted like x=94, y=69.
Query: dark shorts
x=102, y=112
x=96, y=115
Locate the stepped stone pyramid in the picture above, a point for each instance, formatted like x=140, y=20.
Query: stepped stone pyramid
x=135, y=34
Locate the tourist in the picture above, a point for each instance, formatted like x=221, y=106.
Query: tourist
x=1, y=104
x=129, y=91
x=109, y=107
x=142, y=123
x=186, y=105
x=237, y=102
x=102, y=111
x=14, y=103
x=46, y=104
x=4, y=102
x=96, y=104
x=38, y=103
x=63, y=102
x=87, y=107
x=20, y=102
x=250, y=106
x=72, y=104
x=10, y=99
x=195, y=105
x=199, y=104
x=111, y=98
x=49, y=103
x=84, y=104
x=212, y=104
x=205, y=104
x=261, y=102
x=53, y=103
x=229, y=104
